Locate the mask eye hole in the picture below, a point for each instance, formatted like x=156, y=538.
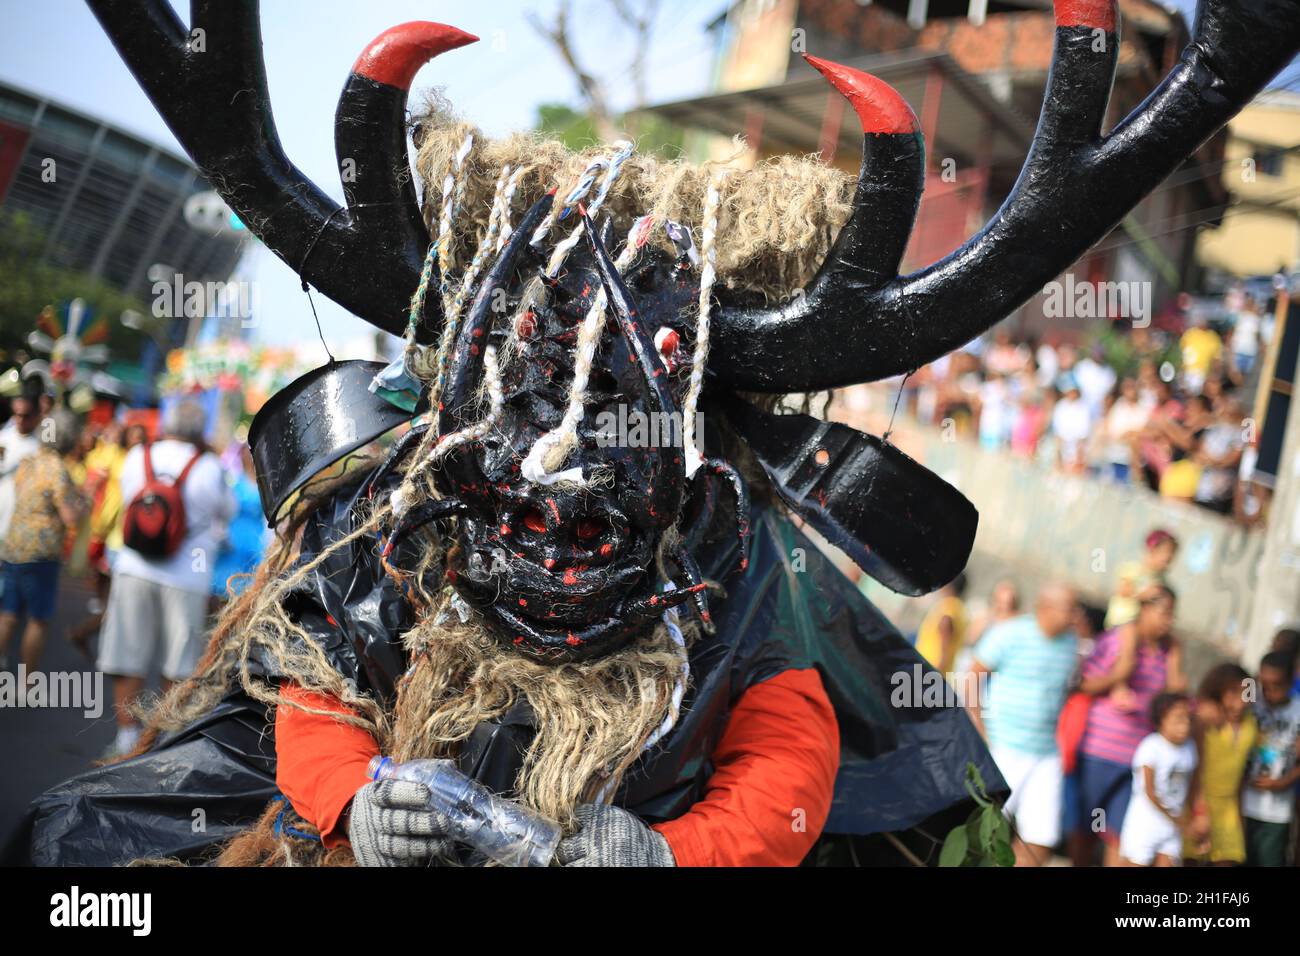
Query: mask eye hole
x=589, y=528
x=534, y=521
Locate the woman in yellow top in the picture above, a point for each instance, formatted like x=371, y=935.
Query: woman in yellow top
x=104, y=470
x=1226, y=736
x=943, y=630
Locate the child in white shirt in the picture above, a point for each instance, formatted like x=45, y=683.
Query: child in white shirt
x=1164, y=785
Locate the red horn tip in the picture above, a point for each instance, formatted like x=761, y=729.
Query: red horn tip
x=1098, y=14
x=878, y=105
x=396, y=55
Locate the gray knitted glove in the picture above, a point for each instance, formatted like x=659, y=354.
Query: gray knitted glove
x=610, y=836
x=391, y=825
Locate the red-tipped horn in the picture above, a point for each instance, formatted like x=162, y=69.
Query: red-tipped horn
x=370, y=142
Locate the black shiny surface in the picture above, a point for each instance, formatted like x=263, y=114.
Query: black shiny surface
x=900, y=522
x=562, y=573
x=856, y=325
x=365, y=256
x=313, y=422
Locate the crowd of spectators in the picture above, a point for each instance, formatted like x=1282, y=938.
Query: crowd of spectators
x=1111, y=755
x=66, y=486
x=1167, y=407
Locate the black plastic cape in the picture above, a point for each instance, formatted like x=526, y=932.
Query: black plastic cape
x=901, y=767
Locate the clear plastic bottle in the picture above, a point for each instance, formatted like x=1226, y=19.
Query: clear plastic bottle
x=498, y=828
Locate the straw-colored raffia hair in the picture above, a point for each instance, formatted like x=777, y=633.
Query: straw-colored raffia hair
x=593, y=720
x=775, y=221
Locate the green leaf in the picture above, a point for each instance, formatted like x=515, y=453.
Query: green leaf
x=989, y=827
x=1003, y=834
x=975, y=786
x=954, y=848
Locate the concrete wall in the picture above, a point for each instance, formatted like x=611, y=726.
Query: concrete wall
x=1035, y=525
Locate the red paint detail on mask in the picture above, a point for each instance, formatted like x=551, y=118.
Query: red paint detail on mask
x=396, y=55
x=548, y=563
x=878, y=105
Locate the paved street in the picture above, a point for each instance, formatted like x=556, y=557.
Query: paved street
x=41, y=746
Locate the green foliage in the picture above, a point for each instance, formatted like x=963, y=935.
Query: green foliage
x=985, y=838
x=577, y=131
x=657, y=136
x=557, y=121
x=29, y=283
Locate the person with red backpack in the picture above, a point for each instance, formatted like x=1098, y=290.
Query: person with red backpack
x=176, y=504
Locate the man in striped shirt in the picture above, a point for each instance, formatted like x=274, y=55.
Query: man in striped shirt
x=1030, y=660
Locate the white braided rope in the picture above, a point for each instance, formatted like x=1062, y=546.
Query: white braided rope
x=577, y=193
x=700, y=357
x=622, y=152
x=415, y=357
x=485, y=247
x=613, y=166
x=506, y=229
x=549, y=451
x=453, y=307
x=451, y=195
x=496, y=399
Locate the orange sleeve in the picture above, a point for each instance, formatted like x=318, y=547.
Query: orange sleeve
x=320, y=762
x=773, y=779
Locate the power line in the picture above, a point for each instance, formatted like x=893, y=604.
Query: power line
x=1231, y=212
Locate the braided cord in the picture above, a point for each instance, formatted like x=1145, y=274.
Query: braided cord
x=549, y=452
x=700, y=356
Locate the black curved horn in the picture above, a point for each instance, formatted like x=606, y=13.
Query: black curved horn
x=1076, y=185
x=209, y=85
x=871, y=243
x=370, y=142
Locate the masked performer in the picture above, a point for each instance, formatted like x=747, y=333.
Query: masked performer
x=575, y=575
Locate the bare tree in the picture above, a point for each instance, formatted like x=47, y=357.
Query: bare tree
x=639, y=17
